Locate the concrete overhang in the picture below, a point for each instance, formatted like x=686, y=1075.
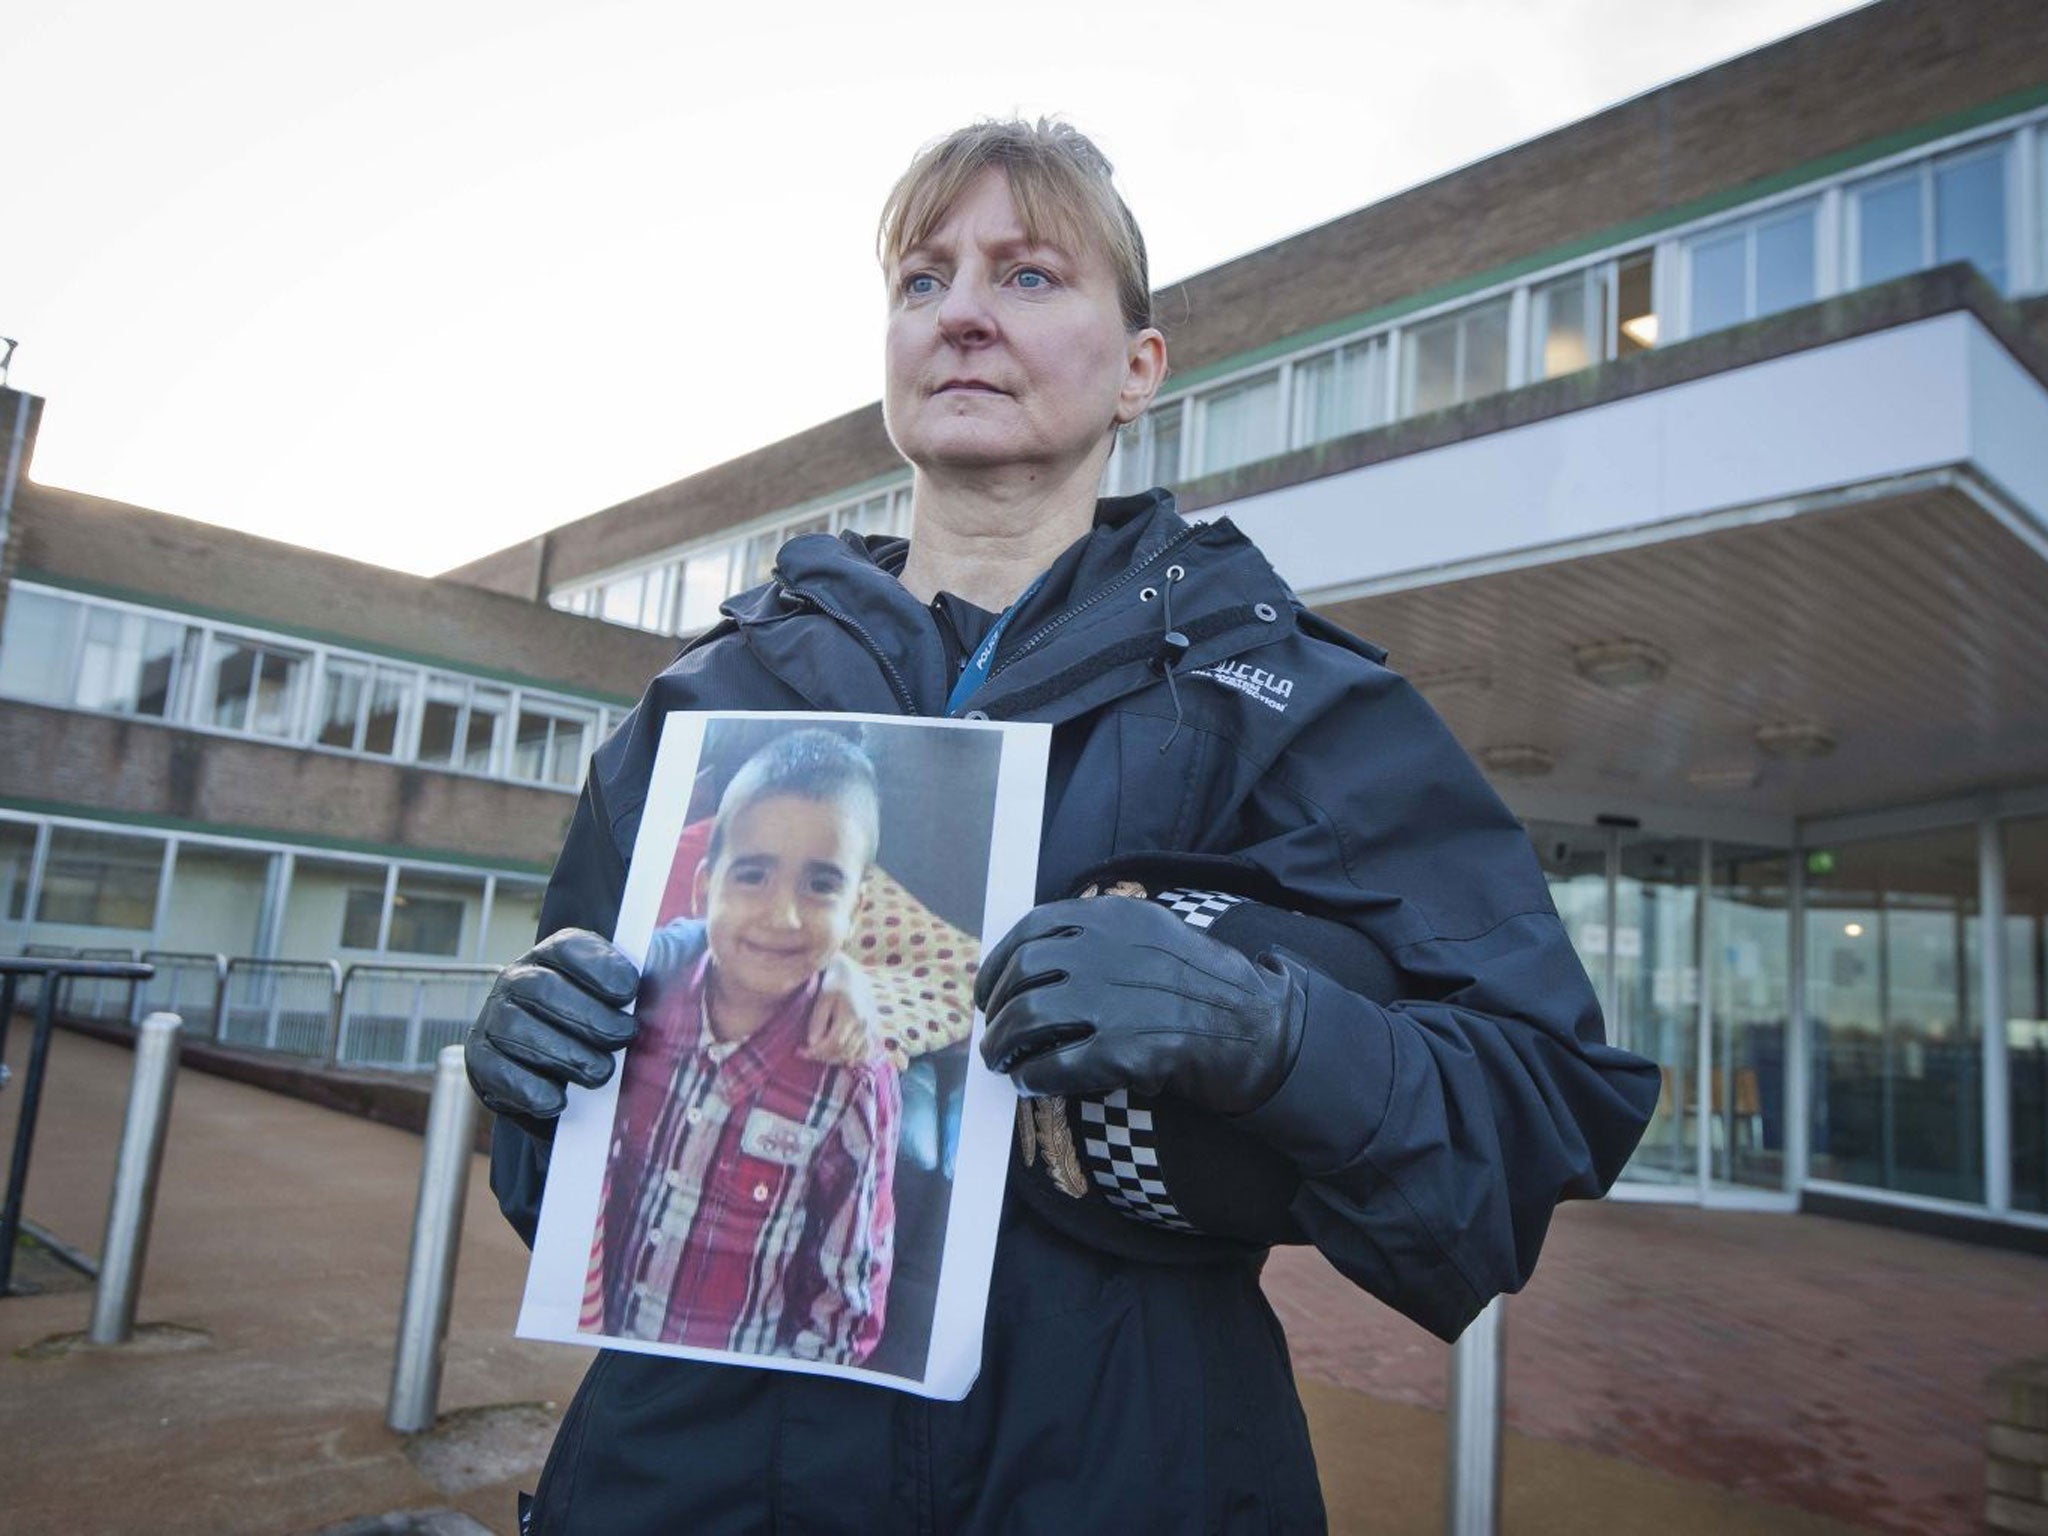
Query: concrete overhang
x=1836, y=519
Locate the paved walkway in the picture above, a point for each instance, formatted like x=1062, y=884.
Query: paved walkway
x=1669, y=1371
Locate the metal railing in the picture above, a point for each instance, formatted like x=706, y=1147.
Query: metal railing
x=189, y=983
x=281, y=1005
x=105, y=998
x=402, y=1015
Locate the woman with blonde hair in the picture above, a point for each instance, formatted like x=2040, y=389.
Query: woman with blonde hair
x=1203, y=721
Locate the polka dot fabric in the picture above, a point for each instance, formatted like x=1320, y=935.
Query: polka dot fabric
x=921, y=969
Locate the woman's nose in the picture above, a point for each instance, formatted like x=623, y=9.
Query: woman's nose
x=964, y=313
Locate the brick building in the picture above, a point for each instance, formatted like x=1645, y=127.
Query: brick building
x=1693, y=459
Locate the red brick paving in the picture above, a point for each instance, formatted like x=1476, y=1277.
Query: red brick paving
x=1821, y=1364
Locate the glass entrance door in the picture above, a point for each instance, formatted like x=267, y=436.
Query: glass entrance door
x=1632, y=903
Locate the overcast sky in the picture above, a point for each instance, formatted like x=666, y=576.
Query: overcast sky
x=412, y=279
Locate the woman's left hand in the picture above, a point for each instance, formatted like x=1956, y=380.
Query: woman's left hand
x=841, y=1030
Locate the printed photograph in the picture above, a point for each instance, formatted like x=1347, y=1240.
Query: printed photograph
x=784, y=1140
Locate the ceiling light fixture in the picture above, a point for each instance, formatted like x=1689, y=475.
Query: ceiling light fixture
x=1641, y=329
x=1517, y=760
x=1620, y=663
x=1795, y=738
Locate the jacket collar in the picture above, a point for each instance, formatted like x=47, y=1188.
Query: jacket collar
x=1095, y=629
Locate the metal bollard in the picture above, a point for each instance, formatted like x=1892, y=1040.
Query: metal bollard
x=436, y=1239
x=135, y=1179
x=1472, y=1466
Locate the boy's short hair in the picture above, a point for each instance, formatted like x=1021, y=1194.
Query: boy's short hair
x=812, y=764
x=1059, y=181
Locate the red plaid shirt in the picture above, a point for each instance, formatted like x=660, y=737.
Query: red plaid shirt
x=748, y=1199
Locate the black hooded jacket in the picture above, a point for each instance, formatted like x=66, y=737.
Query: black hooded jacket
x=1197, y=707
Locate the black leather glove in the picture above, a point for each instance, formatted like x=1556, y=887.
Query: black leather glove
x=1091, y=995
x=553, y=1017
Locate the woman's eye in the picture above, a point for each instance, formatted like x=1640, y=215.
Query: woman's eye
x=920, y=285
x=1033, y=277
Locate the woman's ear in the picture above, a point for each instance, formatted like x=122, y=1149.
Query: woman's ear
x=1144, y=373
x=700, y=889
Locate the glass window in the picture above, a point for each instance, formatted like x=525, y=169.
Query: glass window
x=877, y=515
x=1240, y=423
x=551, y=743
x=1969, y=212
x=1784, y=262
x=1565, y=320
x=430, y=912
x=100, y=879
x=130, y=662
x=1749, y=933
x=384, y=720
x=216, y=904
x=1163, y=465
x=361, y=917
x=1890, y=934
x=1634, y=305
x=515, y=915
x=254, y=687
x=1720, y=283
x=706, y=583
x=487, y=710
x=441, y=720
x=2026, y=1007
x=1340, y=391
x=1456, y=358
x=342, y=702
x=1888, y=232
x=624, y=599
x=17, y=853
x=39, y=647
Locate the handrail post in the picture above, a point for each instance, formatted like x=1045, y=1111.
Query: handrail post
x=25, y=1129
x=436, y=1242
x=135, y=1179
x=220, y=995
x=339, y=984
x=1472, y=1461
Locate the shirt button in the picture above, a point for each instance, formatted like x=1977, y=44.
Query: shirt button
x=694, y=1115
x=760, y=1193
x=673, y=1179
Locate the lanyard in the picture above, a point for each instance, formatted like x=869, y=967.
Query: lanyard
x=975, y=673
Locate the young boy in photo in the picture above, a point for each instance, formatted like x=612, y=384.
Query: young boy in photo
x=747, y=1202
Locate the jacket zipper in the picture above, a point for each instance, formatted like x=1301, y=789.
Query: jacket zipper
x=1058, y=619
x=904, y=698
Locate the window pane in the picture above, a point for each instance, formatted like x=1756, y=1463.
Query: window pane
x=530, y=745
x=39, y=647
x=276, y=704
x=100, y=880
x=384, y=723
x=1564, y=330
x=1340, y=391
x=1241, y=423
x=1126, y=463
x=167, y=649
x=1969, y=213
x=1486, y=350
x=17, y=850
x=566, y=751
x=1784, y=263
x=619, y=601
x=431, y=912
x=342, y=704
x=1890, y=935
x=1888, y=229
x=233, y=678
x=1431, y=366
x=1634, y=312
x=1719, y=289
x=1165, y=447
x=704, y=588
x=361, y=917
x=441, y=720
x=2026, y=1007
x=216, y=905
x=515, y=914
x=487, y=709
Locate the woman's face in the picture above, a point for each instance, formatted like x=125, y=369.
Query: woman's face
x=1002, y=352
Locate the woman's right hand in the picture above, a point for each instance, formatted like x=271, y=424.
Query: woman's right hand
x=554, y=1017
